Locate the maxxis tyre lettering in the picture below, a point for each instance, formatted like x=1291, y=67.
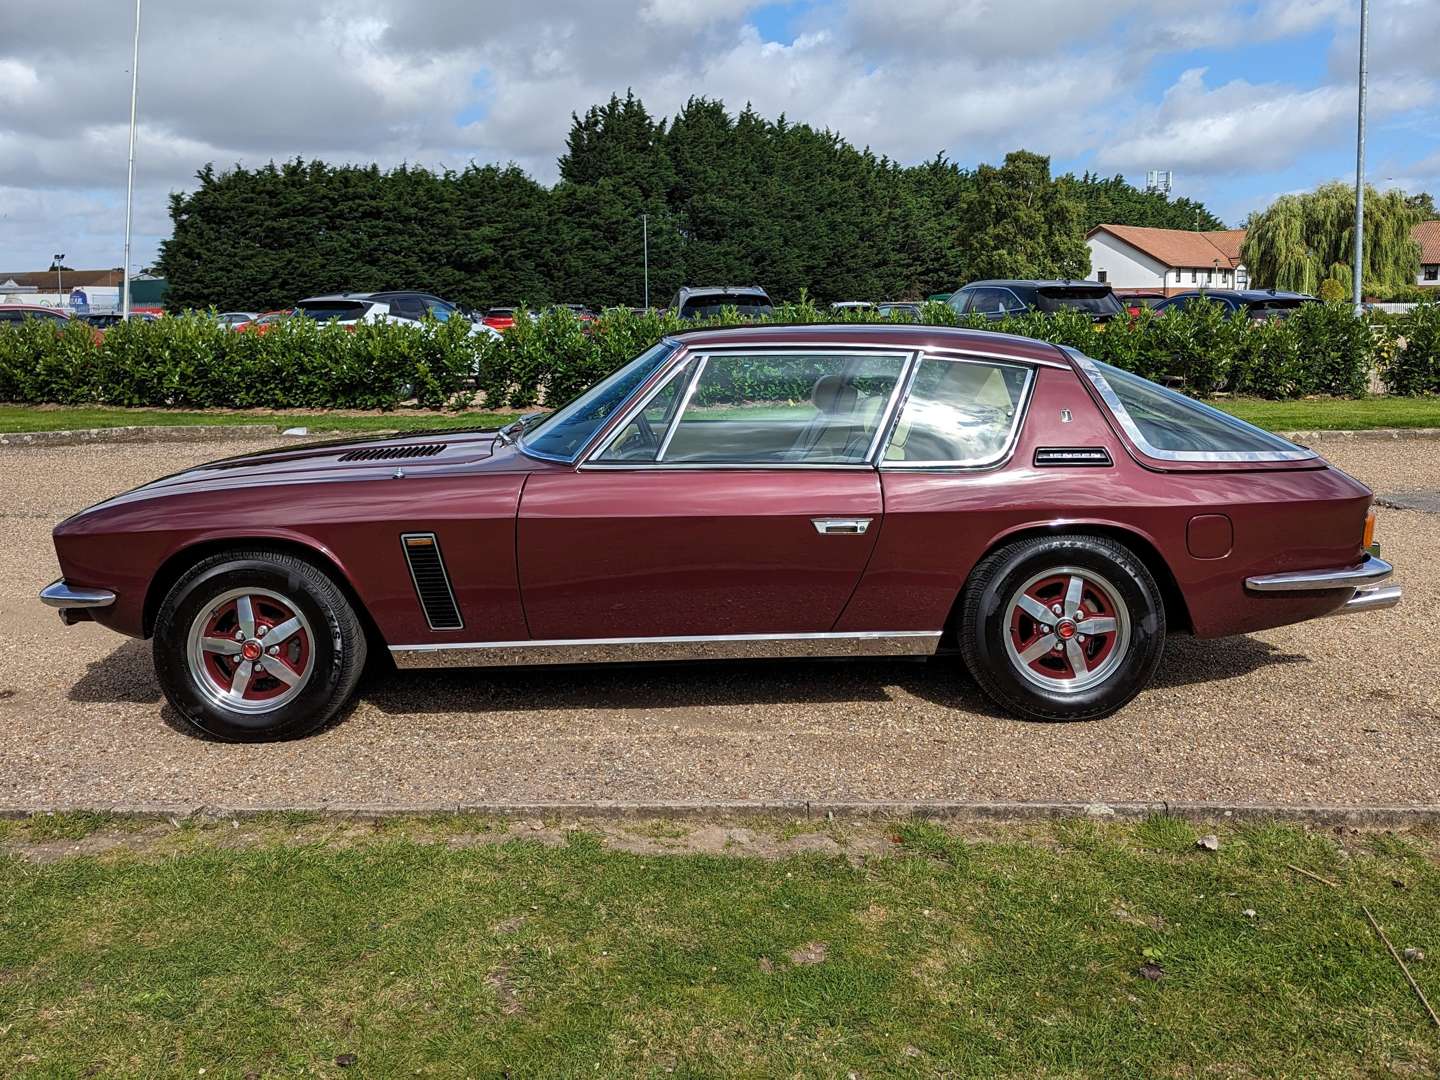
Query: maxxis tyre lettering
x=289, y=584
x=1130, y=647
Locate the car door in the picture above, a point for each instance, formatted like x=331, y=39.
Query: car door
x=741, y=498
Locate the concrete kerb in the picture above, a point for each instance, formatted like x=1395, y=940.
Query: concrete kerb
x=1355, y=816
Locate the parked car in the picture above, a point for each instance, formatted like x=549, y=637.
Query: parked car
x=900, y=309
x=997, y=299
x=262, y=323
x=18, y=313
x=851, y=305
x=351, y=309
x=1256, y=304
x=580, y=311
x=233, y=320
x=499, y=318
x=1136, y=302
x=105, y=320
x=707, y=301
x=1047, y=517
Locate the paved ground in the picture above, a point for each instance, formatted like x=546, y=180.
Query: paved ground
x=1341, y=711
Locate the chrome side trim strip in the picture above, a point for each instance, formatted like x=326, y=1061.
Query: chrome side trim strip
x=710, y=647
x=1370, y=572
x=1370, y=600
x=60, y=595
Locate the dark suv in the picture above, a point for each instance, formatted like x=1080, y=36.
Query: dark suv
x=1247, y=303
x=704, y=301
x=997, y=299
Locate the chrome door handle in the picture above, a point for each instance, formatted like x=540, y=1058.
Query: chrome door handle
x=841, y=526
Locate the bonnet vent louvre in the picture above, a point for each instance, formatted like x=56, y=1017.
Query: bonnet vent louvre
x=432, y=583
x=391, y=453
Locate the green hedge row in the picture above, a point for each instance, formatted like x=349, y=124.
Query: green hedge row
x=191, y=362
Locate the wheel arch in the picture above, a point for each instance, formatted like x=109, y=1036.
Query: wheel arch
x=1177, y=611
x=180, y=560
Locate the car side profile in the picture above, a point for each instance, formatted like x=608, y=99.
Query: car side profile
x=998, y=299
x=11, y=314
x=1255, y=304
x=880, y=490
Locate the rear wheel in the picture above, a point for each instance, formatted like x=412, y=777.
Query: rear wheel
x=257, y=645
x=1062, y=628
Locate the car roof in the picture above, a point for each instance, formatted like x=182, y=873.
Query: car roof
x=896, y=335
x=1036, y=283
x=359, y=297
x=720, y=290
x=1245, y=295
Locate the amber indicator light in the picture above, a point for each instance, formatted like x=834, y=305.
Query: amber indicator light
x=1369, y=531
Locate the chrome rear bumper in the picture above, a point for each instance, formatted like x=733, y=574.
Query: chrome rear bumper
x=1360, y=576
x=1364, y=578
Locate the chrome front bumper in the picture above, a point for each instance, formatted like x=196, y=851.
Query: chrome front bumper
x=1365, y=578
x=74, y=604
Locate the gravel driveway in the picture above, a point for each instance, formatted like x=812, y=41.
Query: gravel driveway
x=1326, y=713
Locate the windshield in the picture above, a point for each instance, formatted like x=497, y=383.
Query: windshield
x=1091, y=301
x=564, y=433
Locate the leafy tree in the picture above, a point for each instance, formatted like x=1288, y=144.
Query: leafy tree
x=1020, y=223
x=1301, y=240
x=1114, y=201
x=1423, y=203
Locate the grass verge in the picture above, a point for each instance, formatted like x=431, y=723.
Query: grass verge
x=1073, y=949
x=26, y=418
x=1336, y=414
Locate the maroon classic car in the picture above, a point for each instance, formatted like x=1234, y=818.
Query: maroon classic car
x=770, y=490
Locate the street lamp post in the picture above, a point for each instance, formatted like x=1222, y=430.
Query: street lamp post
x=1360, y=165
x=130, y=179
x=645, y=239
x=59, y=276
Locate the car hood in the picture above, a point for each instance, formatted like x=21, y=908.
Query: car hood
x=363, y=457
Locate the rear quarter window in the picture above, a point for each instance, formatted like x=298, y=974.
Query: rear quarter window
x=1169, y=426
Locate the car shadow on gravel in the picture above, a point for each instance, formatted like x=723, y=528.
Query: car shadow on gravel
x=127, y=676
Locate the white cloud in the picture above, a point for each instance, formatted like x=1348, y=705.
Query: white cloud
x=373, y=80
x=1244, y=127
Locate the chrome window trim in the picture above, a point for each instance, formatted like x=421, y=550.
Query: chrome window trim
x=698, y=647
x=689, y=393
x=1057, y=361
x=1022, y=410
x=909, y=361
x=1096, y=377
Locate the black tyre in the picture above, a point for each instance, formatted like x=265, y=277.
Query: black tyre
x=257, y=645
x=1062, y=627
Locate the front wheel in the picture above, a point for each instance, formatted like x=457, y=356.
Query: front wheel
x=257, y=645
x=1062, y=627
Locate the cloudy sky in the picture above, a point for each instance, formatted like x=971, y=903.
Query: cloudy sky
x=1242, y=99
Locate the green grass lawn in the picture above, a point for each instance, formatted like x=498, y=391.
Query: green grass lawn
x=429, y=949
x=1313, y=415
x=18, y=418
x=1338, y=414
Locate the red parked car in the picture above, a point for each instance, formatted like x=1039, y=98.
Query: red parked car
x=762, y=491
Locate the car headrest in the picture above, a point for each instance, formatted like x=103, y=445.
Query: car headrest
x=833, y=394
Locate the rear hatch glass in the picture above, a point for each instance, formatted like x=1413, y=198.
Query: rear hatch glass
x=325, y=310
x=1273, y=309
x=749, y=305
x=1090, y=300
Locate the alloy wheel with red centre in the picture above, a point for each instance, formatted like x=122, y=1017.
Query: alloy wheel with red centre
x=1066, y=629
x=251, y=650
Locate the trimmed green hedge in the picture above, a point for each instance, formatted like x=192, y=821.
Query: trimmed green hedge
x=191, y=362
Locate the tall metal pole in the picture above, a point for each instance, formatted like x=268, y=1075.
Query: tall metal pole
x=130, y=179
x=1360, y=165
x=645, y=233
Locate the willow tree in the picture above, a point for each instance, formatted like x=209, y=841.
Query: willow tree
x=1304, y=240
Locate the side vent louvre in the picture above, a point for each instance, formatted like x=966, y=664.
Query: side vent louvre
x=390, y=453
x=432, y=583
